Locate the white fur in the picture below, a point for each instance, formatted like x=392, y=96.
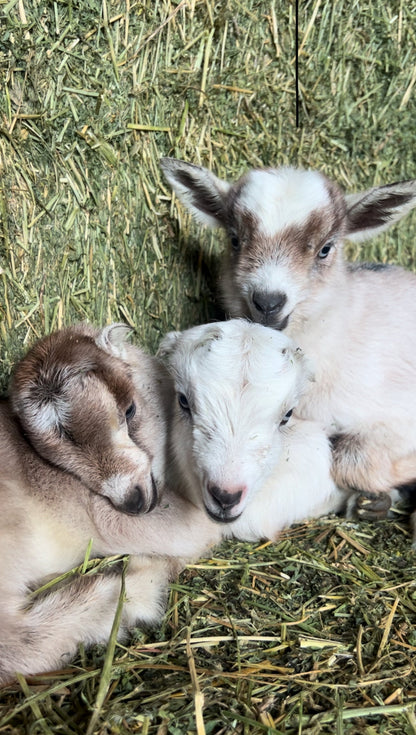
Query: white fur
x=273, y=274
x=282, y=197
x=240, y=380
x=299, y=486
x=357, y=325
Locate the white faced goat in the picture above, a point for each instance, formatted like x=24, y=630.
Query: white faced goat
x=82, y=457
x=238, y=451
x=356, y=323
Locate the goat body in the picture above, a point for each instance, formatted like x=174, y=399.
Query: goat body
x=238, y=452
x=356, y=323
x=82, y=456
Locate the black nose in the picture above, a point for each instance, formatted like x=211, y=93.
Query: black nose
x=269, y=303
x=225, y=500
x=134, y=503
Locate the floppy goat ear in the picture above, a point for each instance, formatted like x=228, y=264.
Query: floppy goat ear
x=38, y=397
x=202, y=193
x=377, y=209
x=113, y=339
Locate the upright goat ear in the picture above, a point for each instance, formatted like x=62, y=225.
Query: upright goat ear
x=167, y=344
x=378, y=209
x=296, y=356
x=113, y=339
x=202, y=193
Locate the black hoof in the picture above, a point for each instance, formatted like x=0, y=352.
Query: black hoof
x=372, y=506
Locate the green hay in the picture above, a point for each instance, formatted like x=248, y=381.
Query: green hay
x=314, y=634
x=296, y=636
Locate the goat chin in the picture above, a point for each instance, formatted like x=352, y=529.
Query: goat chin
x=285, y=268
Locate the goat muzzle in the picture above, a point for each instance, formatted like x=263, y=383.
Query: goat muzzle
x=134, y=503
x=266, y=308
x=223, y=502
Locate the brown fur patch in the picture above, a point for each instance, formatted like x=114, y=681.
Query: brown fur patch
x=297, y=243
x=71, y=397
x=362, y=217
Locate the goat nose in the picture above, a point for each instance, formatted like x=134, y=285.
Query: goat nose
x=269, y=303
x=134, y=503
x=225, y=499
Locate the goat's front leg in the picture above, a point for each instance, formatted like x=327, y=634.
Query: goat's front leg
x=175, y=528
x=365, y=466
x=46, y=635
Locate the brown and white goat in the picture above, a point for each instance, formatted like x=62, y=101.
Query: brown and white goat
x=82, y=457
x=356, y=322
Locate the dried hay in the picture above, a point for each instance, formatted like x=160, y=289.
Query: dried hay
x=314, y=634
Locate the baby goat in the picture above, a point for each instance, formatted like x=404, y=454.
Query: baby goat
x=357, y=323
x=82, y=457
x=238, y=452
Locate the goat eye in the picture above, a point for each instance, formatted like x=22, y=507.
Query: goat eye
x=235, y=243
x=324, y=252
x=286, y=417
x=183, y=402
x=131, y=411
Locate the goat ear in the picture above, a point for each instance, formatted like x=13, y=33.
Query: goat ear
x=377, y=209
x=167, y=344
x=36, y=396
x=296, y=355
x=113, y=339
x=202, y=193
x=41, y=417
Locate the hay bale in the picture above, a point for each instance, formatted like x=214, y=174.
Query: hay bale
x=314, y=634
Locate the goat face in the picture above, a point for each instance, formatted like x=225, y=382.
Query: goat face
x=79, y=408
x=286, y=228
x=236, y=385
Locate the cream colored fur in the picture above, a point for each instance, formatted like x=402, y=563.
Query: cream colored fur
x=356, y=323
x=49, y=515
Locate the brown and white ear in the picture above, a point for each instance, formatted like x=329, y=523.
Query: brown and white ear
x=377, y=209
x=167, y=345
x=201, y=192
x=113, y=339
x=39, y=414
x=38, y=395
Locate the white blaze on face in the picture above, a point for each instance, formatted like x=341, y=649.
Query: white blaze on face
x=122, y=442
x=280, y=198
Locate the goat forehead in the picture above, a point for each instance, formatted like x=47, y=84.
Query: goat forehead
x=239, y=370
x=97, y=377
x=281, y=198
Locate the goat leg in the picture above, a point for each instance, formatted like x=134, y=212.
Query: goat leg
x=46, y=635
x=363, y=465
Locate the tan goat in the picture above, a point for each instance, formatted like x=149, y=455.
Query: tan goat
x=82, y=457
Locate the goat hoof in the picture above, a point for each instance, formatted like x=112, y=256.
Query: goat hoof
x=373, y=507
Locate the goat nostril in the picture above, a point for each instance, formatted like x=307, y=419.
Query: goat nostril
x=268, y=303
x=225, y=499
x=134, y=504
